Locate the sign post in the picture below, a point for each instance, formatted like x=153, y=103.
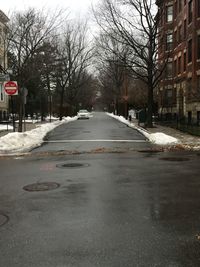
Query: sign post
x=24, y=93
x=11, y=88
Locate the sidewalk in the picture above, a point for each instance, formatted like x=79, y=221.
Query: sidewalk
x=186, y=140
x=29, y=126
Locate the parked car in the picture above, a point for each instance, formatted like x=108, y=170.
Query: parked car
x=83, y=114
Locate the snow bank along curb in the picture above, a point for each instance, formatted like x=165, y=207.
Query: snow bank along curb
x=156, y=138
x=13, y=143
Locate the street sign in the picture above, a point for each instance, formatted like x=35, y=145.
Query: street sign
x=11, y=88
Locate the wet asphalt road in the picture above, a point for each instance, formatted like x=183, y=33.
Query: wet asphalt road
x=116, y=204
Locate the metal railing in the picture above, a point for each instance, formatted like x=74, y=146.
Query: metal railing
x=190, y=126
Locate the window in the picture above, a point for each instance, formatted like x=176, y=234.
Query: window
x=198, y=47
x=175, y=67
x=189, y=88
x=169, y=41
x=169, y=69
x=175, y=9
x=190, y=51
x=169, y=13
x=180, y=34
x=198, y=117
x=184, y=62
x=190, y=13
x=168, y=97
x=198, y=84
x=180, y=5
x=1, y=92
x=198, y=8
x=179, y=65
x=189, y=117
x=175, y=37
x=185, y=29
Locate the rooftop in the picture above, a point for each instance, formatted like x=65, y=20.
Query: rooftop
x=3, y=17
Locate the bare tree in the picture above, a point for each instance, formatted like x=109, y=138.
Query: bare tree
x=111, y=58
x=134, y=23
x=28, y=32
x=74, y=56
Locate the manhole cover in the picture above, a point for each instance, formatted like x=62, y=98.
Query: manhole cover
x=3, y=219
x=175, y=159
x=149, y=151
x=72, y=165
x=41, y=186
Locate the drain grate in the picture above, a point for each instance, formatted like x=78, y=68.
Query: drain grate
x=72, y=165
x=41, y=186
x=3, y=219
x=174, y=159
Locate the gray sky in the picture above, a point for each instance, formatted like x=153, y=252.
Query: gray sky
x=74, y=6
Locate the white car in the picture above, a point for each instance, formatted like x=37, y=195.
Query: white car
x=83, y=114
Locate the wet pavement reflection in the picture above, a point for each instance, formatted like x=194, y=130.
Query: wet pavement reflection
x=133, y=208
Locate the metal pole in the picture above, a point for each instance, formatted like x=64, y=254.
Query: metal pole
x=24, y=117
x=12, y=111
x=50, y=105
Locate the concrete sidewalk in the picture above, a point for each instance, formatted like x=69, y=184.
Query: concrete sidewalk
x=185, y=138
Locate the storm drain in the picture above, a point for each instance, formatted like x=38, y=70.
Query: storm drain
x=41, y=186
x=72, y=165
x=3, y=219
x=175, y=159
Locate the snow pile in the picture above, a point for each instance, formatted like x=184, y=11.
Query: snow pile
x=162, y=139
x=22, y=142
x=156, y=138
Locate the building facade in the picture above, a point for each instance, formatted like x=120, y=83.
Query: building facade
x=4, y=101
x=179, y=53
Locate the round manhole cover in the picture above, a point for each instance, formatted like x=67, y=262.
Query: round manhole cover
x=3, y=219
x=174, y=159
x=72, y=165
x=149, y=151
x=41, y=186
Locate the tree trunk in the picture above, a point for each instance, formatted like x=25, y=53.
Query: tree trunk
x=61, y=104
x=150, y=106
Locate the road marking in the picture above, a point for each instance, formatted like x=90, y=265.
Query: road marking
x=95, y=140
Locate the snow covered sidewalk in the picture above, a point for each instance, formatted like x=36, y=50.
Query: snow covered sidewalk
x=165, y=136
x=13, y=143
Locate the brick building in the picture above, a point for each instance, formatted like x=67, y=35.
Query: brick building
x=3, y=65
x=179, y=52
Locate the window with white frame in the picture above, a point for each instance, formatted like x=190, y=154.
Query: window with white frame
x=169, y=13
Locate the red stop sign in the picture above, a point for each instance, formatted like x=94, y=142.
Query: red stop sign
x=11, y=88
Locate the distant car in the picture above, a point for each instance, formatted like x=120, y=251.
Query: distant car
x=83, y=114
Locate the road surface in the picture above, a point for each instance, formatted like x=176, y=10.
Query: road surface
x=98, y=194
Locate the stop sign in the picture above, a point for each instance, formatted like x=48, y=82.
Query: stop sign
x=11, y=88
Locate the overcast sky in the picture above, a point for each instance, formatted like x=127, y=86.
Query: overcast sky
x=75, y=6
